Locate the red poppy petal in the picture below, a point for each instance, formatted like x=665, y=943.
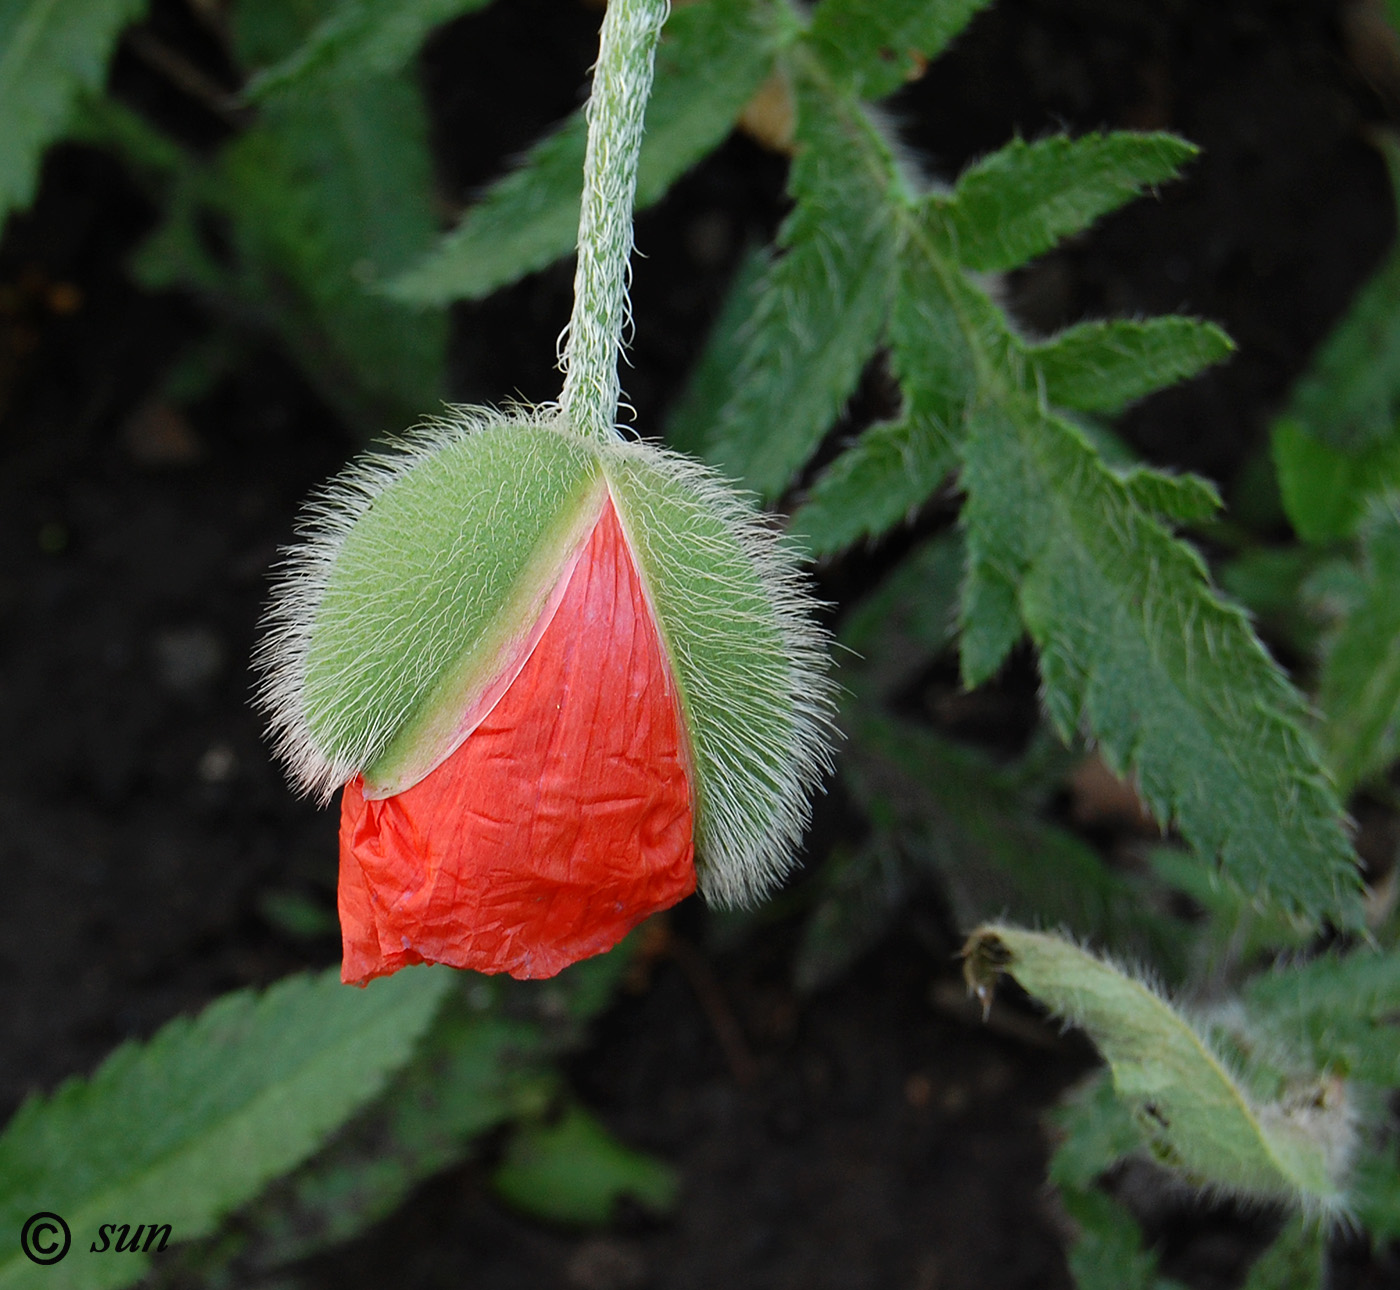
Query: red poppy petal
x=563, y=821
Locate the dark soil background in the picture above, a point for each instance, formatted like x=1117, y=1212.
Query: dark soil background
x=873, y=1135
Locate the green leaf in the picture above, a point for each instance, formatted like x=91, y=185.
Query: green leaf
x=106, y=123
x=1186, y=499
x=51, y=53
x=1104, y=366
x=575, y=1171
x=1198, y=1118
x=1342, y=1013
x=874, y=46
x=486, y=1059
x=186, y=1127
x=1377, y=1192
x=1297, y=1260
x=1107, y=1253
x=1138, y=650
x=1326, y=489
x=359, y=38
x=890, y=470
x=1096, y=1130
x=940, y=326
x=712, y=57
x=820, y=309
x=327, y=196
x=1359, y=693
x=1018, y=202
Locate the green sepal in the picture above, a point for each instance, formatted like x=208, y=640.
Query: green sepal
x=748, y=661
x=427, y=572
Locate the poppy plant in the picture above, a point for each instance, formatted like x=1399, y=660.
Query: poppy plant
x=564, y=681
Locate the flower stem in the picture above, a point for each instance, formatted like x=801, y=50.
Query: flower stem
x=621, y=86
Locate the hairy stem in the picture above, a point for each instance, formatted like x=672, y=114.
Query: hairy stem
x=621, y=86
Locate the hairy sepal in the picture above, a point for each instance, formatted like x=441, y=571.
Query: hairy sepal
x=749, y=660
x=430, y=573
x=425, y=577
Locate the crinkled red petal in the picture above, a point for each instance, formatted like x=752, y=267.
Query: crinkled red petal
x=564, y=819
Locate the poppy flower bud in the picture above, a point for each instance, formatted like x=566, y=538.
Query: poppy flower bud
x=563, y=681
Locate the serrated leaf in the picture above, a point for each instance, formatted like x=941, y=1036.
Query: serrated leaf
x=486, y=1059
x=575, y=1171
x=51, y=53
x=1342, y=1013
x=1297, y=1260
x=1137, y=650
x=820, y=309
x=1018, y=202
x=1326, y=489
x=184, y=1128
x=874, y=46
x=880, y=480
x=712, y=56
x=1186, y=499
x=1104, y=366
x=940, y=326
x=1198, y=1118
x=359, y=38
x=989, y=621
x=1359, y=692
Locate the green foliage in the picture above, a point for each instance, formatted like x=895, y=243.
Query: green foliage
x=485, y=1061
x=1325, y=489
x=198, y=1120
x=1338, y=1013
x=1359, y=693
x=874, y=45
x=1020, y=201
x=326, y=195
x=712, y=57
x=819, y=312
x=1197, y=1116
x=358, y=38
x=1136, y=648
x=51, y=54
x=1104, y=366
x=1107, y=1252
x=575, y=1171
x=1337, y=443
x=974, y=824
x=1297, y=1260
x=1349, y=397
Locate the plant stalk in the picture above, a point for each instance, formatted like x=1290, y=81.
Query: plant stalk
x=616, y=107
